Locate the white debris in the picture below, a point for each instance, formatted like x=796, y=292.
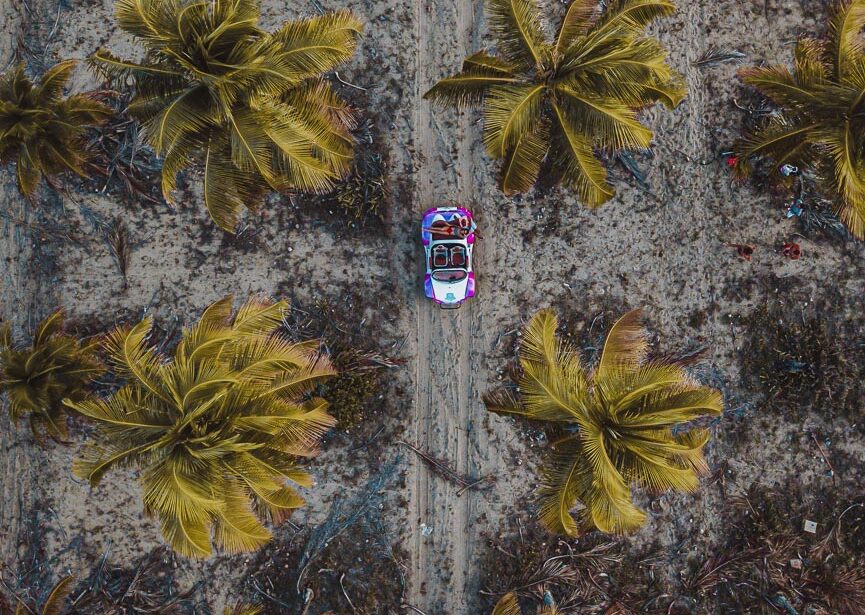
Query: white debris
x=426, y=530
x=810, y=526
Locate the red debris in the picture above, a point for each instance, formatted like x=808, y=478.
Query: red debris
x=732, y=161
x=744, y=250
x=792, y=250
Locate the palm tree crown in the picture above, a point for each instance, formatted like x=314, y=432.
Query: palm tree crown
x=509, y=605
x=36, y=379
x=250, y=105
x=566, y=97
x=618, y=424
x=819, y=123
x=218, y=430
x=41, y=130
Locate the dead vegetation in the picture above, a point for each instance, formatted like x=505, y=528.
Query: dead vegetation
x=774, y=561
x=590, y=574
x=350, y=563
x=357, y=350
x=801, y=361
x=362, y=196
x=147, y=586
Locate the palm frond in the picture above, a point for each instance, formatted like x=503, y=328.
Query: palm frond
x=511, y=112
x=42, y=131
x=507, y=605
x=633, y=14
x=36, y=379
x=623, y=427
x=522, y=163
x=54, y=603
x=517, y=28
x=480, y=73
x=216, y=429
x=581, y=169
x=625, y=346
x=845, y=28
x=579, y=17
x=250, y=106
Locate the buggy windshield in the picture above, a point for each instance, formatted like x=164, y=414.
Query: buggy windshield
x=449, y=275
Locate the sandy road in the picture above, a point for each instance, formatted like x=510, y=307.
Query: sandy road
x=445, y=397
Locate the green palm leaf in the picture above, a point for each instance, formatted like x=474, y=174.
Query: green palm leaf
x=42, y=131
x=568, y=97
x=250, y=106
x=217, y=429
x=816, y=125
x=618, y=422
x=37, y=378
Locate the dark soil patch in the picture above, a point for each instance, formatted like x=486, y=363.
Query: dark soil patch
x=804, y=359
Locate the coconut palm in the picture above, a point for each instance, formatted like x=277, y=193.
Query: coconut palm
x=819, y=119
x=508, y=605
x=53, y=604
x=37, y=378
x=618, y=424
x=217, y=430
x=40, y=129
x=566, y=99
x=249, y=105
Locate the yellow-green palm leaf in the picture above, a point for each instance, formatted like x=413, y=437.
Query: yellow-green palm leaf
x=250, y=106
x=508, y=605
x=557, y=103
x=620, y=424
x=42, y=131
x=37, y=378
x=819, y=124
x=217, y=430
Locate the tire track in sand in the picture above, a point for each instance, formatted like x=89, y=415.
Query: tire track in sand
x=443, y=377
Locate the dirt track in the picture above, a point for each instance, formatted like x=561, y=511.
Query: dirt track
x=660, y=246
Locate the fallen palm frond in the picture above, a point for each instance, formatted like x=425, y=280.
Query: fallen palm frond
x=444, y=469
x=122, y=161
x=769, y=556
x=117, y=236
x=718, y=55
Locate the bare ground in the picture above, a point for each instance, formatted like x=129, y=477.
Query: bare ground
x=661, y=246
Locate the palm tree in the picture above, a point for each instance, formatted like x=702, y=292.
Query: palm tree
x=563, y=100
x=819, y=118
x=37, y=378
x=618, y=424
x=242, y=609
x=508, y=605
x=217, y=431
x=41, y=130
x=249, y=105
x=53, y=604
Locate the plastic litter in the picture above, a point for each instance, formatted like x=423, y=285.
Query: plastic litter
x=788, y=170
x=810, y=526
x=426, y=530
x=795, y=209
x=796, y=563
x=781, y=602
